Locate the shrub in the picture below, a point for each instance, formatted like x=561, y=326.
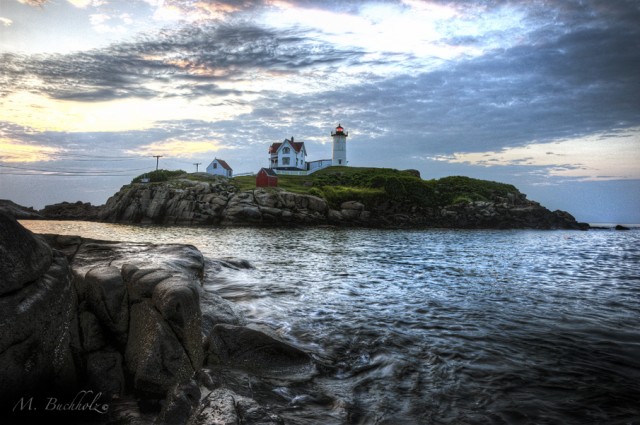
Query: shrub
x=314, y=191
x=336, y=195
x=158, y=176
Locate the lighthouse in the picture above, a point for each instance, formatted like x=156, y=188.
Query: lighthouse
x=339, y=146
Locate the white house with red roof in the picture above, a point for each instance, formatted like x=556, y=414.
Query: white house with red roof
x=219, y=167
x=288, y=155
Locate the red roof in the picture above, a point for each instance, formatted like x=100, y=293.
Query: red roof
x=297, y=146
x=268, y=171
x=223, y=164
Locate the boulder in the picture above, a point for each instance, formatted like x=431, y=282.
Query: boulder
x=155, y=356
x=224, y=407
x=165, y=341
x=177, y=260
x=71, y=211
x=142, y=282
x=107, y=298
x=18, y=211
x=37, y=310
x=267, y=199
x=182, y=401
x=351, y=210
x=105, y=373
x=253, y=350
x=216, y=310
x=91, y=333
x=335, y=217
x=24, y=257
x=178, y=302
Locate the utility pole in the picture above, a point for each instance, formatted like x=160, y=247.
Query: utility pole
x=196, y=164
x=157, y=157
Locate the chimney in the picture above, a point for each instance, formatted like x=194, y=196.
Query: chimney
x=291, y=139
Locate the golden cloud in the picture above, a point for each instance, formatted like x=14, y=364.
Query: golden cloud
x=11, y=151
x=601, y=156
x=44, y=114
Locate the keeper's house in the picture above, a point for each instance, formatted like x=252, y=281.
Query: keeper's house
x=219, y=167
x=288, y=155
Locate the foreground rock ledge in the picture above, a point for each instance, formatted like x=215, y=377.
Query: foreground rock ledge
x=121, y=321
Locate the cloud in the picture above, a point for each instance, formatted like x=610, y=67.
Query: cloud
x=147, y=68
x=82, y=4
x=595, y=157
x=178, y=148
x=12, y=151
x=5, y=21
x=35, y=3
x=45, y=114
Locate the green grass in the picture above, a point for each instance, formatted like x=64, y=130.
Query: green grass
x=451, y=190
x=373, y=185
x=369, y=186
x=243, y=183
x=296, y=184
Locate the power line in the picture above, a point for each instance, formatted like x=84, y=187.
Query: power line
x=72, y=155
x=52, y=174
x=70, y=171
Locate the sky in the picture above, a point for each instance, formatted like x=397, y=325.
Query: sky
x=542, y=94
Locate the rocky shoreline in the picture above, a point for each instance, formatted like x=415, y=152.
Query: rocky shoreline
x=116, y=332
x=217, y=202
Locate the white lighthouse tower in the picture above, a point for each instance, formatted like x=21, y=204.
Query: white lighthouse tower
x=339, y=146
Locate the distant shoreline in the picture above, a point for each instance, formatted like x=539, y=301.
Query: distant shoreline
x=597, y=226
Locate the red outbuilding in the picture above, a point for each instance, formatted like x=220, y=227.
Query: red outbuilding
x=266, y=177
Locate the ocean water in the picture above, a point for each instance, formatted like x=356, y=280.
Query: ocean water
x=432, y=326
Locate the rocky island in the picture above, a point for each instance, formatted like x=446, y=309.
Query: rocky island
x=339, y=196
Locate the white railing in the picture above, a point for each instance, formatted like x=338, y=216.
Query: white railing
x=291, y=172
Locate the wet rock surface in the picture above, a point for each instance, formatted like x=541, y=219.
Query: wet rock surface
x=253, y=350
x=18, y=211
x=37, y=309
x=118, y=322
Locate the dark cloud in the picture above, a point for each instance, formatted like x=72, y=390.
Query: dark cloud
x=577, y=75
x=220, y=52
x=582, y=82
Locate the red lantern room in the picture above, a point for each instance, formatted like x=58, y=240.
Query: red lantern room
x=339, y=131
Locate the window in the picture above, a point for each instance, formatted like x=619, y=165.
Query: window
x=285, y=161
x=286, y=150
x=215, y=165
